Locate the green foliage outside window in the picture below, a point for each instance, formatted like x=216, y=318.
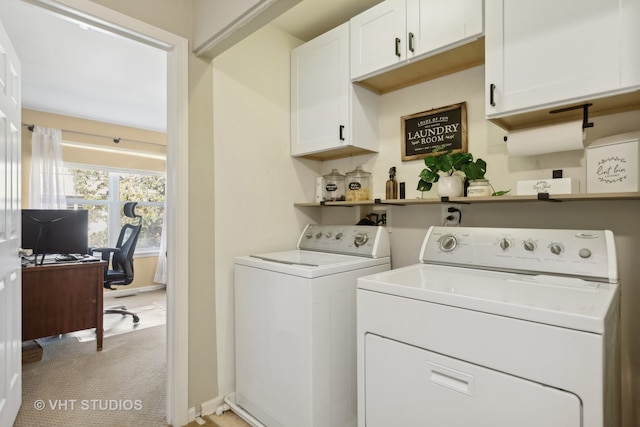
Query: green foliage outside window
x=94, y=190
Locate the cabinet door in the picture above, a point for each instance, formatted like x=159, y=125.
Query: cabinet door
x=378, y=39
x=320, y=93
x=548, y=52
x=434, y=25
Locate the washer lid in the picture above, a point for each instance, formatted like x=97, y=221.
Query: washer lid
x=559, y=301
x=309, y=264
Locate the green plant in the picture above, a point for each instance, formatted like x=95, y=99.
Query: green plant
x=446, y=164
x=498, y=193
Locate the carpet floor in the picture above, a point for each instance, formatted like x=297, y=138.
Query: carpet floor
x=75, y=385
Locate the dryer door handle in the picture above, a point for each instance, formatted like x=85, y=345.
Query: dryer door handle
x=451, y=378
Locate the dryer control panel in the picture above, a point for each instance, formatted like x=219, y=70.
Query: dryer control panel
x=360, y=240
x=588, y=254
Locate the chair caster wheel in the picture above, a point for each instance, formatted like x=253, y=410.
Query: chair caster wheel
x=136, y=319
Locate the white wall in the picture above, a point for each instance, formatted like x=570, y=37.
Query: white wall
x=257, y=182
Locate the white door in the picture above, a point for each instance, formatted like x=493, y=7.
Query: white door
x=10, y=274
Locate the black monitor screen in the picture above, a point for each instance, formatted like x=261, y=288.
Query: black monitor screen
x=55, y=231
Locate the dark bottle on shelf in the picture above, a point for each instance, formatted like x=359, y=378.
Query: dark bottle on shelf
x=392, y=185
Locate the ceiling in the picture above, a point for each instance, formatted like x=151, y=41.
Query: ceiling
x=87, y=73
x=310, y=18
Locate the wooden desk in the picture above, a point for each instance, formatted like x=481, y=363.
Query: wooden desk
x=62, y=298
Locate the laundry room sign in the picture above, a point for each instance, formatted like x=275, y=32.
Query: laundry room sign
x=440, y=129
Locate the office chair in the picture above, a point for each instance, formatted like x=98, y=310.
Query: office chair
x=121, y=257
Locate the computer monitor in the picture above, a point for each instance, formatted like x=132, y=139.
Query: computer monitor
x=55, y=231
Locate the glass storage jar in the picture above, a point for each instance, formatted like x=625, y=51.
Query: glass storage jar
x=479, y=188
x=358, y=185
x=333, y=186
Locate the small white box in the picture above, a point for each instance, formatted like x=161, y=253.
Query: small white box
x=549, y=186
x=612, y=164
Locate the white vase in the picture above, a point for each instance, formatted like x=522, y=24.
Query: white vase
x=450, y=186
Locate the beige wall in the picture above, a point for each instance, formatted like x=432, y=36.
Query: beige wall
x=175, y=16
x=485, y=140
x=257, y=181
x=145, y=266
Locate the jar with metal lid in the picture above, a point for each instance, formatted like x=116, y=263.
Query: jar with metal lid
x=479, y=188
x=333, y=186
x=358, y=183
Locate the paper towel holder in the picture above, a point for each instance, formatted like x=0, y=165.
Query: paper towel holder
x=585, y=113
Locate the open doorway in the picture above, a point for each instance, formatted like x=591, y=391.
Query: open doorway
x=176, y=48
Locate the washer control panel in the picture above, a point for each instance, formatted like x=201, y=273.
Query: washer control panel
x=360, y=240
x=582, y=253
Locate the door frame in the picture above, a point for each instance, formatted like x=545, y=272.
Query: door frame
x=177, y=200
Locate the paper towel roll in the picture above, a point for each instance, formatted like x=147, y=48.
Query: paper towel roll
x=546, y=139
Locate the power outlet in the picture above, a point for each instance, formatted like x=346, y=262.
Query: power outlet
x=379, y=217
x=451, y=215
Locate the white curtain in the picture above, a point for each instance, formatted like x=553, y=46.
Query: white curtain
x=47, y=186
x=161, y=269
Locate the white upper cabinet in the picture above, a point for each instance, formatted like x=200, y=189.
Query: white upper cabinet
x=378, y=38
x=434, y=25
x=329, y=117
x=396, y=32
x=546, y=53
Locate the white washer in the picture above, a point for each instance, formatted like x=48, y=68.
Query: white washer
x=295, y=314
x=494, y=327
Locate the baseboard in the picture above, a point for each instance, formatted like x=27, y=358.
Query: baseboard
x=206, y=408
x=127, y=292
x=209, y=407
x=192, y=414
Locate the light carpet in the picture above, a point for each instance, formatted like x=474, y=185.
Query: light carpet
x=75, y=385
x=122, y=385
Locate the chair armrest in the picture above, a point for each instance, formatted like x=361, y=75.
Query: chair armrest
x=105, y=252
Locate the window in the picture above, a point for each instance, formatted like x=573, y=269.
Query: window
x=103, y=193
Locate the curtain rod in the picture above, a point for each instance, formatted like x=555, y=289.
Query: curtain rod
x=115, y=140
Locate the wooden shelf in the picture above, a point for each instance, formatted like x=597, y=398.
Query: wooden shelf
x=342, y=204
x=470, y=200
x=612, y=104
x=431, y=67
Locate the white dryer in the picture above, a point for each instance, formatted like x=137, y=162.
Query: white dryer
x=295, y=314
x=495, y=328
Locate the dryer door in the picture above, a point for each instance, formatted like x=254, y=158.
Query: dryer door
x=410, y=386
